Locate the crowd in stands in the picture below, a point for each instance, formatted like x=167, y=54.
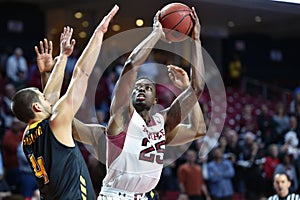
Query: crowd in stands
x=260, y=137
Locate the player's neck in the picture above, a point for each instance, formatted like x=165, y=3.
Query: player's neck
x=32, y=121
x=39, y=116
x=145, y=114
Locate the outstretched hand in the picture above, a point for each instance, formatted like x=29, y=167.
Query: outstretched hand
x=44, y=57
x=157, y=26
x=178, y=76
x=103, y=26
x=66, y=44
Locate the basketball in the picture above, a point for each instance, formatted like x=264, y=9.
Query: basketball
x=177, y=21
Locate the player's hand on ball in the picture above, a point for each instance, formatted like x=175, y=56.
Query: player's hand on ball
x=157, y=25
x=197, y=27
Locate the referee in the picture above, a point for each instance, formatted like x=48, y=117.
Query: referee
x=282, y=184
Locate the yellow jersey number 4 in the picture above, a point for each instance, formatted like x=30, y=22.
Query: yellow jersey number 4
x=39, y=168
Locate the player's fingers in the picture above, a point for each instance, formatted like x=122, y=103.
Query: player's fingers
x=175, y=66
x=178, y=69
x=156, y=22
x=157, y=14
x=67, y=33
x=113, y=12
x=41, y=47
x=171, y=76
x=106, y=20
x=46, y=45
x=73, y=42
x=36, y=50
x=196, y=18
x=70, y=35
x=63, y=34
x=65, y=30
x=71, y=31
x=173, y=72
x=50, y=47
x=170, y=66
x=110, y=15
x=193, y=13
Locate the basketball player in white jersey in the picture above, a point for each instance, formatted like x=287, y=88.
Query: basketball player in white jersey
x=136, y=138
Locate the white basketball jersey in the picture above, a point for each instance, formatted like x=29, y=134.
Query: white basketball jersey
x=135, y=159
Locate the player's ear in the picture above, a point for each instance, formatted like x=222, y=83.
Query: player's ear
x=36, y=107
x=155, y=100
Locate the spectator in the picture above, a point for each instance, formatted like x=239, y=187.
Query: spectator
x=8, y=115
x=235, y=71
x=290, y=144
x=286, y=166
x=190, y=179
x=222, y=143
x=292, y=127
x=250, y=167
x=270, y=164
x=5, y=53
x=247, y=120
x=280, y=118
x=105, y=90
x=11, y=140
x=220, y=172
x=34, y=77
x=17, y=69
x=231, y=152
x=297, y=115
x=168, y=184
x=232, y=147
x=266, y=125
x=296, y=100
